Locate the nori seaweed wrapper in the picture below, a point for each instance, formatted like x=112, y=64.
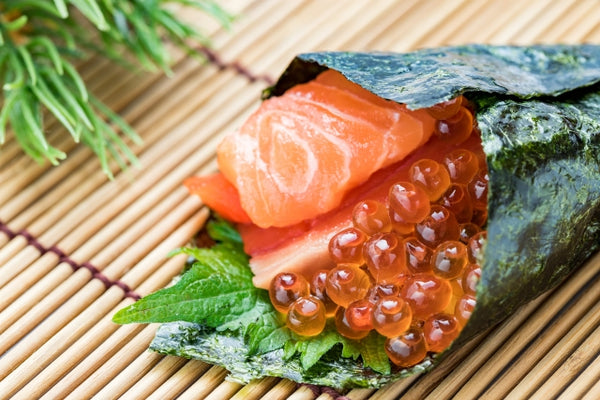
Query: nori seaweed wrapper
x=538, y=110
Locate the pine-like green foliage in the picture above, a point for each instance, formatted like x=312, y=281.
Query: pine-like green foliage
x=40, y=39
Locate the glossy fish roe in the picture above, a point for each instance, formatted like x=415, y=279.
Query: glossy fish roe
x=430, y=176
x=359, y=315
x=286, y=288
x=470, y=278
x=457, y=128
x=475, y=246
x=418, y=255
x=346, y=247
x=467, y=231
x=306, y=316
x=462, y=165
x=450, y=259
x=427, y=294
x=346, y=283
x=408, y=268
x=446, y=109
x=371, y=217
x=385, y=257
x=384, y=289
x=407, y=349
x=439, y=225
x=345, y=329
x=408, y=203
x=464, y=308
x=440, y=330
x=478, y=188
x=318, y=284
x=391, y=316
x=457, y=200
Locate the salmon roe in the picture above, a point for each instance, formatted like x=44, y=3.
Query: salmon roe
x=407, y=349
x=317, y=289
x=446, y=109
x=347, y=246
x=371, y=216
x=408, y=268
x=462, y=165
x=427, y=294
x=457, y=200
x=391, y=316
x=306, y=316
x=408, y=203
x=464, y=308
x=286, y=288
x=440, y=225
x=385, y=257
x=359, y=315
x=346, y=283
x=450, y=259
x=440, y=330
x=457, y=128
x=430, y=176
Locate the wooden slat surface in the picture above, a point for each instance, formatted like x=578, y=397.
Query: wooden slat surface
x=75, y=247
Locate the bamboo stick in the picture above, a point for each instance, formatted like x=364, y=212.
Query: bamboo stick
x=593, y=393
x=584, y=381
x=577, y=361
x=406, y=35
x=549, y=339
x=205, y=385
x=132, y=372
x=162, y=371
x=97, y=313
x=577, y=15
x=255, y=389
x=302, y=393
x=543, y=18
x=557, y=365
x=282, y=390
x=180, y=380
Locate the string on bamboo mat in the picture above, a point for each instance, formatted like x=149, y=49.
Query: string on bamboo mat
x=63, y=257
x=319, y=390
x=215, y=59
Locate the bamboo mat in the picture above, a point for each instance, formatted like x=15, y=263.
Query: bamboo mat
x=75, y=247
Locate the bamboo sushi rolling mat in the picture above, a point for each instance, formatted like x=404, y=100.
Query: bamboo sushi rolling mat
x=76, y=247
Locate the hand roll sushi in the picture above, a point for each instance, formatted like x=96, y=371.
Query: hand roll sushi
x=378, y=210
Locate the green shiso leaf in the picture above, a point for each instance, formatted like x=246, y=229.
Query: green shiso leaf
x=371, y=349
x=221, y=231
x=217, y=293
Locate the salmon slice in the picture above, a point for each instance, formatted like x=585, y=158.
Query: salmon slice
x=298, y=155
x=218, y=194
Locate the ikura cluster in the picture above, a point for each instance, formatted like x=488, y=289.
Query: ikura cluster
x=407, y=268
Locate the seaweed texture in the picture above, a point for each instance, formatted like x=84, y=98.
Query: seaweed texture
x=538, y=109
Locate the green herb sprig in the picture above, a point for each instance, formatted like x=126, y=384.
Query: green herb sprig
x=40, y=40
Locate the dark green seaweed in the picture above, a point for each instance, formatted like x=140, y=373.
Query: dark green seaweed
x=229, y=350
x=430, y=76
x=538, y=109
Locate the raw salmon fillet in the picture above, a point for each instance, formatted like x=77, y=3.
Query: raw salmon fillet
x=300, y=153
